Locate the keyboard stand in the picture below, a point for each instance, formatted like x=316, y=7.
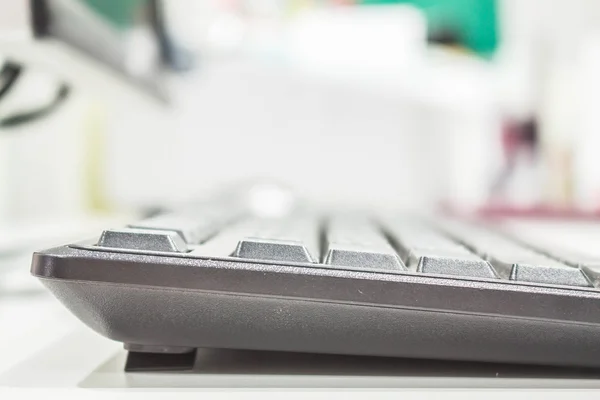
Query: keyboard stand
x=168, y=359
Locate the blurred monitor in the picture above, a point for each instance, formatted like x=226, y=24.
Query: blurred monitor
x=114, y=47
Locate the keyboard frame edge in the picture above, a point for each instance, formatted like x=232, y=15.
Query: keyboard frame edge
x=103, y=287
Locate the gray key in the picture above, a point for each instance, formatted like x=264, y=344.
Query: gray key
x=293, y=239
x=592, y=270
x=193, y=226
x=426, y=250
x=143, y=239
x=512, y=260
x=357, y=242
x=589, y=264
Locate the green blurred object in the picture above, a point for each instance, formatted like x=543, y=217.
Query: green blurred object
x=472, y=22
x=121, y=13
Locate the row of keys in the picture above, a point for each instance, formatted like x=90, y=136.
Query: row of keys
x=457, y=249
x=174, y=231
x=193, y=226
x=588, y=263
x=512, y=260
x=426, y=250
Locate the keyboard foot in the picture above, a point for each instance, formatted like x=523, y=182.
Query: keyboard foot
x=145, y=361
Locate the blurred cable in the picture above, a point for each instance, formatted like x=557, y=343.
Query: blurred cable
x=10, y=74
x=173, y=56
x=36, y=114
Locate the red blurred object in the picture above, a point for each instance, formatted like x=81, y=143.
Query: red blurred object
x=534, y=212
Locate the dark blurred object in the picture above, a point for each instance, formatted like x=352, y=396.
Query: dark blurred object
x=12, y=75
x=37, y=113
x=129, y=36
x=520, y=134
x=79, y=25
x=446, y=37
x=173, y=55
x=469, y=24
x=9, y=73
x=519, y=139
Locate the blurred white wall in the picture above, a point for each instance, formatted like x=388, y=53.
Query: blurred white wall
x=235, y=121
x=14, y=20
x=344, y=106
x=397, y=128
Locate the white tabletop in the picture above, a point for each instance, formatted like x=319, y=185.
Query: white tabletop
x=81, y=358
x=45, y=346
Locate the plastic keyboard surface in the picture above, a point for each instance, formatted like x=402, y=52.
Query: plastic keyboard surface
x=218, y=275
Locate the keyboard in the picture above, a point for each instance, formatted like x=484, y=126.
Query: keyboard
x=218, y=274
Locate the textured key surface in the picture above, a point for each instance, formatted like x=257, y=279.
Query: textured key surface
x=426, y=250
x=357, y=242
x=140, y=239
x=193, y=225
x=191, y=230
x=592, y=270
x=454, y=248
x=285, y=239
x=590, y=265
x=541, y=273
x=447, y=263
x=512, y=260
x=544, y=241
x=276, y=250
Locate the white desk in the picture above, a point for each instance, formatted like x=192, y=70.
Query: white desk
x=80, y=358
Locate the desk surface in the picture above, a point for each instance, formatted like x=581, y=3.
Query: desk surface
x=51, y=348
x=83, y=359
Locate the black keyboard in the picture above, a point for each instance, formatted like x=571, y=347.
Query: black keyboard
x=216, y=274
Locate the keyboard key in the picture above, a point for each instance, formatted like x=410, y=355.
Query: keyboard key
x=512, y=260
x=543, y=273
x=425, y=250
x=592, y=270
x=142, y=239
x=588, y=263
x=225, y=242
x=293, y=239
x=193, y=227
x=357, y=242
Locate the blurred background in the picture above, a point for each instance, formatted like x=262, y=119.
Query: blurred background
x=110, y=109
